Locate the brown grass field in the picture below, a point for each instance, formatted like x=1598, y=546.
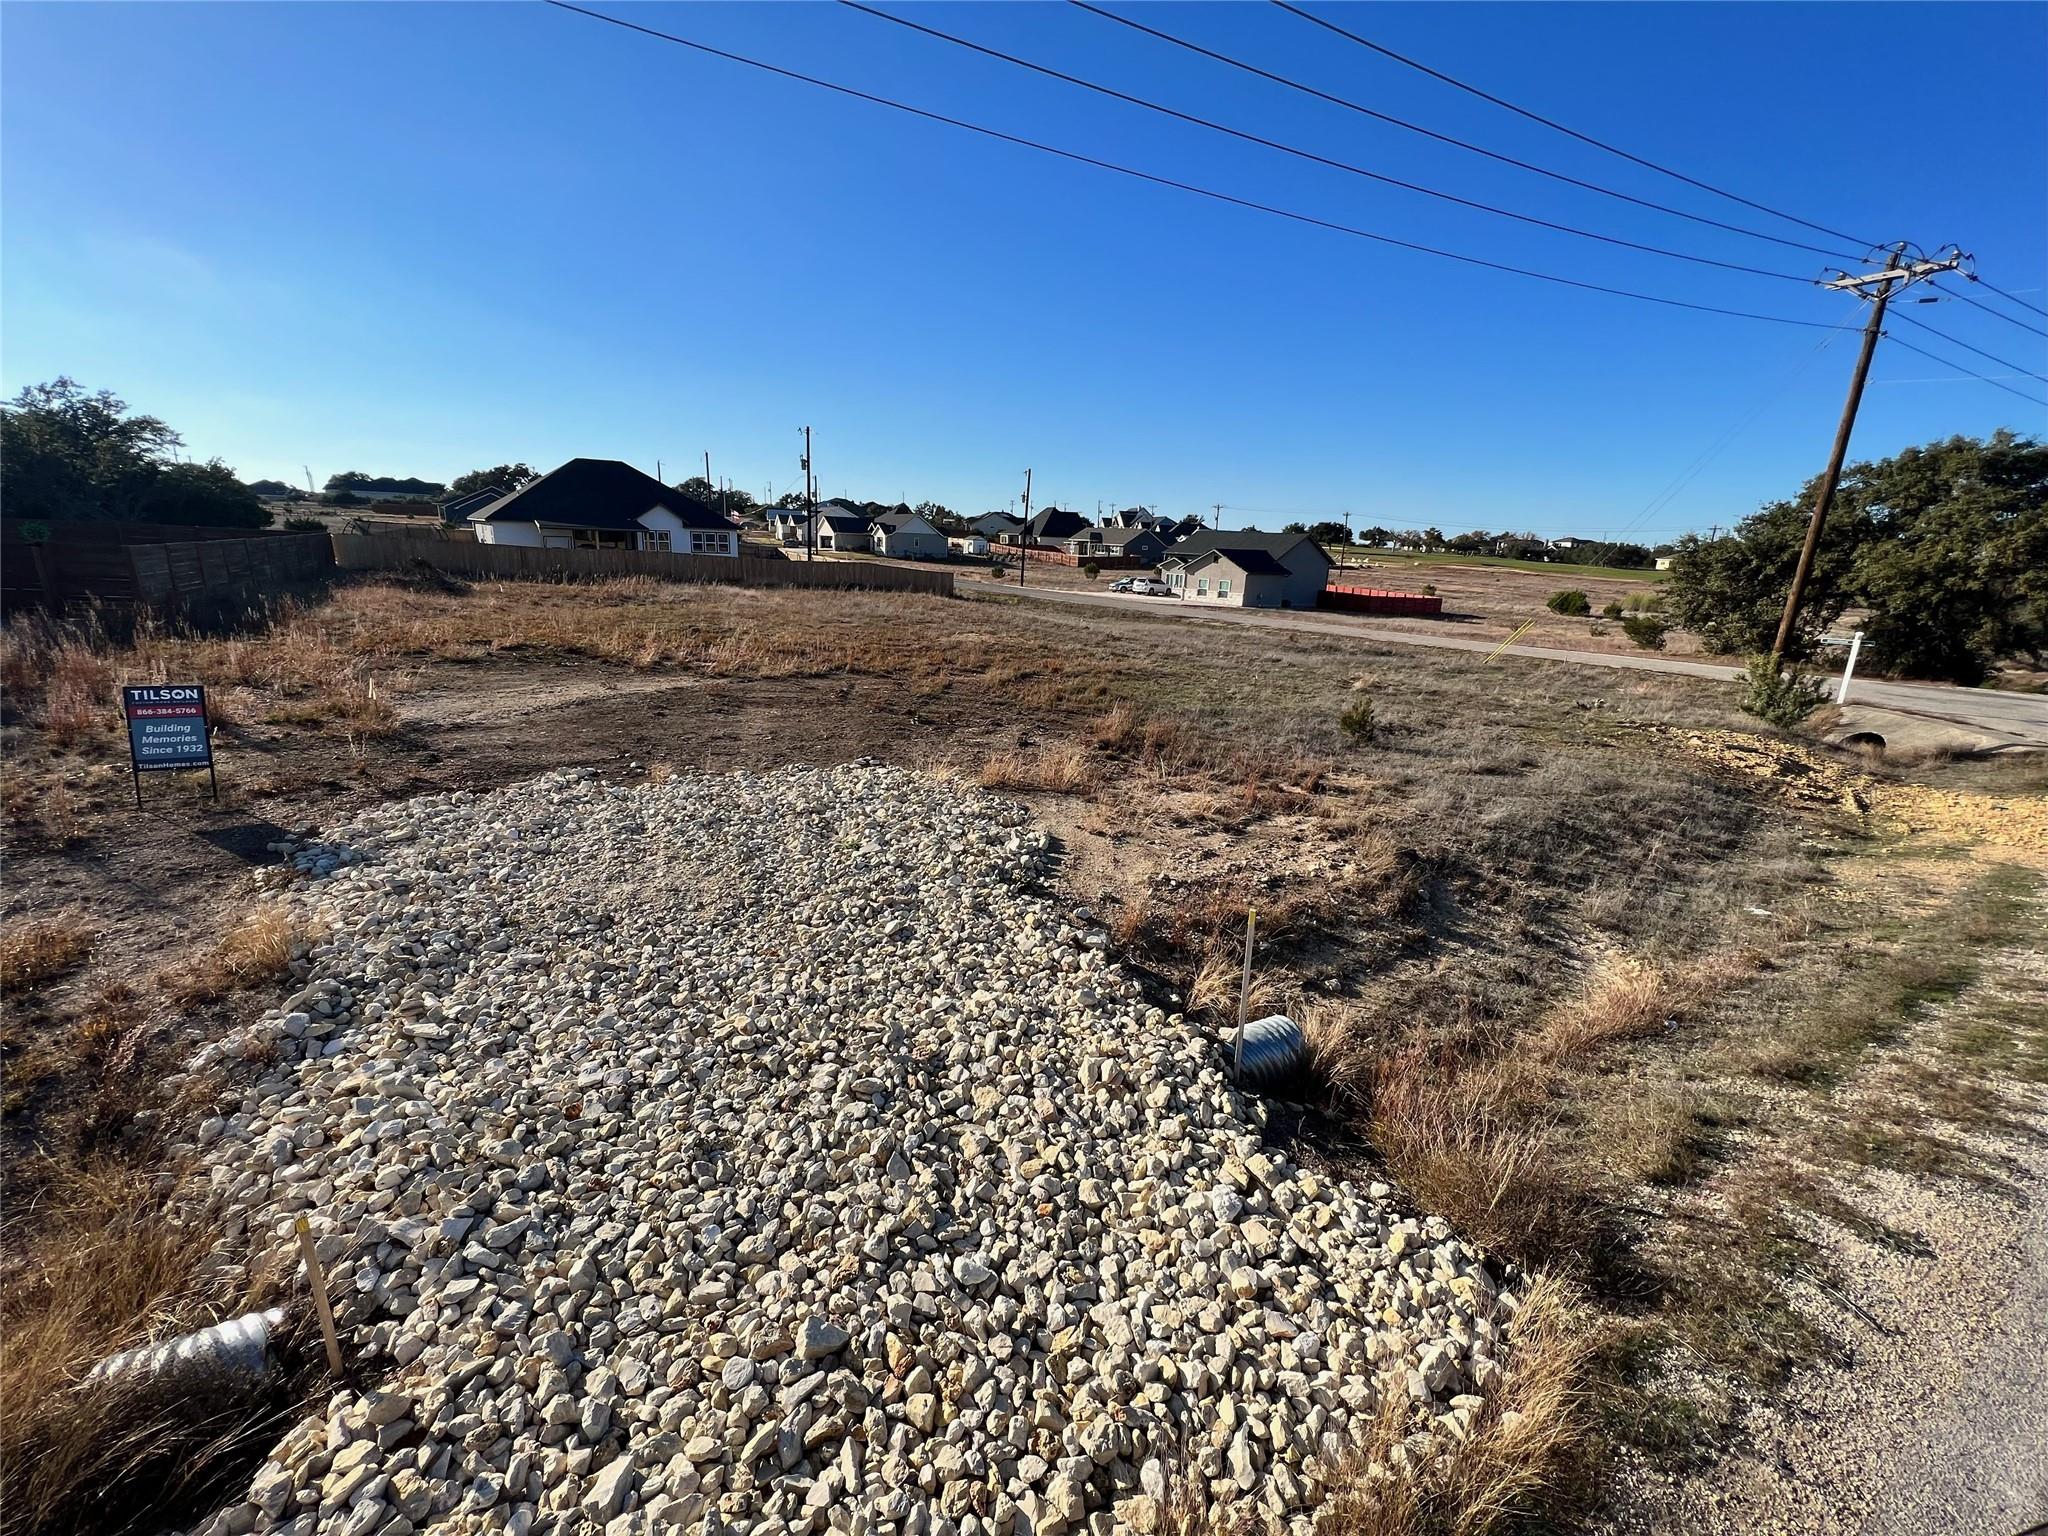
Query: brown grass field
x=1572, y=975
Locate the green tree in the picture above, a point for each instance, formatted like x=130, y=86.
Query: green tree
x=1946, y=546
x=1329, y=531
x=507, y=477
x=67, y=453
x=201, y=495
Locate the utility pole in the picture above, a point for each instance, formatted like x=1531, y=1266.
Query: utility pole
x=1878, y=287
x=1024, y=533
x=707, y=469
x=810, y=503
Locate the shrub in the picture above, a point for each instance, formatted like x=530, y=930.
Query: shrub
x=303, y=525
x=1091, y=570
x=1571, y=602
x=1644, y=602
x=1781, y=696
x=1429, y=589
x=1646, y=629
x=1611, y=611
x=1357, y=722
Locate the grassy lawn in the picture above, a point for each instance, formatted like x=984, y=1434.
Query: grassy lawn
x=1550, y=568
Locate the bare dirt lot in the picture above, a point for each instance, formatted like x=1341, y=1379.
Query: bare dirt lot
x=1577, y=951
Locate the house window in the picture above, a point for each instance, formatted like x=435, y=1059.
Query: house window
x=708, y=543
x=1201, y=586
x=1223, y=587
x=659, y=539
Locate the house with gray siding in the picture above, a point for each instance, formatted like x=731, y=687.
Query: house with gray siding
x=1247, y=569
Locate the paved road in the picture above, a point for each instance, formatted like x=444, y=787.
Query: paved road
x=2018, y=717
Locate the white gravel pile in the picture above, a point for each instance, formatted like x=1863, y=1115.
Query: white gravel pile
x=757, y=1153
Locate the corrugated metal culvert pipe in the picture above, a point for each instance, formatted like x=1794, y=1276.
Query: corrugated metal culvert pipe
x=1269, y=1051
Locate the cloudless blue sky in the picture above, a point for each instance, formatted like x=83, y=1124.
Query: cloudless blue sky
x=415, y=239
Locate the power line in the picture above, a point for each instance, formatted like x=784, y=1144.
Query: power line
x=1899, y=341
x=1665, y=497
x=1307, y=154
x=1445, y=138
x=2011, y=297
x=1990, y=356
x=1996, y=314
x=1179, y=186
x=1584, y=138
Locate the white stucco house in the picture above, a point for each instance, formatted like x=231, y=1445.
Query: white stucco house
x=605, y=504
x=1247, y=569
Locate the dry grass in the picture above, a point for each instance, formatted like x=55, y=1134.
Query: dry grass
x=1521, y=1459
x=1061, y=768
x=109, y=1267
x=260, y=948
x=1621, y=999
x=38, y=953
x=1473, y=1141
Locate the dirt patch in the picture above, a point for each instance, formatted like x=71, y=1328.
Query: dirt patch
x=1821, y=781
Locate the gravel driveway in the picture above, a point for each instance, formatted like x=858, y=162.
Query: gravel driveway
x=762, y=1153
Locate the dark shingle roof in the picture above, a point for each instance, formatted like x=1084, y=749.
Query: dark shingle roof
x=843, y=522
x=1253, y=562
x=463, y=505
x=596, y=493
x=1275, y=546
x=1057, y=523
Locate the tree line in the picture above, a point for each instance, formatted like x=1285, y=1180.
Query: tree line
x=1513, y=546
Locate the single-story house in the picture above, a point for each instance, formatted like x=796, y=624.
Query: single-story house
x=1248, y=569
x=844, y=531
x=787, y=526
x=906, y=536
x=1664, y=562
x=968, y=544
x=458, y=510
x=995, y=525
x=1118, y=543
x=604, y=504
x=1049, y=529
x=1568, y=543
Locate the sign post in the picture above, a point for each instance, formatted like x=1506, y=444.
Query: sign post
x=168, y=728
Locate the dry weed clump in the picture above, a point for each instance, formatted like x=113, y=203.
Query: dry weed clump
x=1060, y=768
x=1523, y=1454
x=260, y=948
x=1621, y=999
x=1471, y=1140
x=38, y=953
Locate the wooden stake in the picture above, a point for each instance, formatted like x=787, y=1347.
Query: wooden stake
x=1244, y=987
x=317, y=1283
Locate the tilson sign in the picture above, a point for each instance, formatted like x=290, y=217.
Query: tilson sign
x=167, y=728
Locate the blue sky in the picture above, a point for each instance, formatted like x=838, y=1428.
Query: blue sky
x=415, y=239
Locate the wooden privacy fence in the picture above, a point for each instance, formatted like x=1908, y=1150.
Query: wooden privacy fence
x=164, y=575
x=372, y=552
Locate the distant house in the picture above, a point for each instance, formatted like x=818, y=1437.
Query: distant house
x=604, y=504
x=458, y=510
x=786, y=525
x=968, y=544
x=995, y=525
x=1248, y=569
x=1049, y=529
x=1569, y=543
x=842, y=532
x=1664, y=562
x=1118, y=543
x=906, y=536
